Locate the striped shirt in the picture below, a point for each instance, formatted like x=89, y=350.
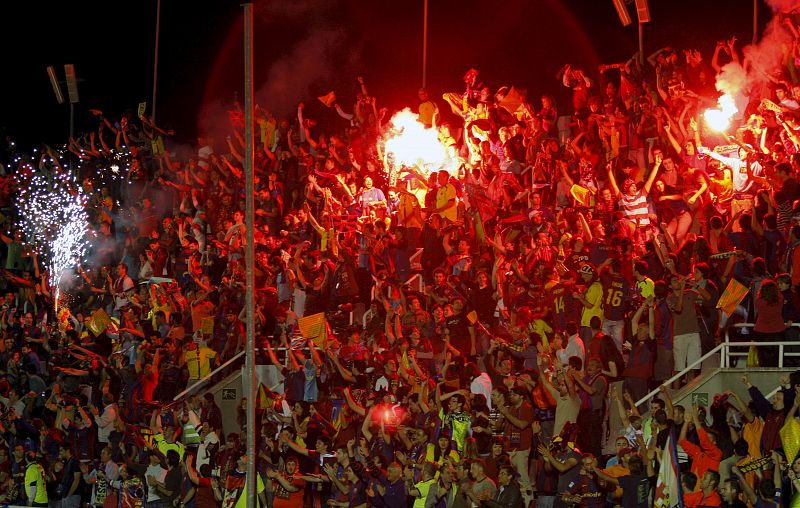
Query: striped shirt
x=636, y=207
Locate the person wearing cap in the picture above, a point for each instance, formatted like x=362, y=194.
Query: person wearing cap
x=592, y=301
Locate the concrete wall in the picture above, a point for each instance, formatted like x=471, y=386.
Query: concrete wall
x=228, y=393
x=716, y=381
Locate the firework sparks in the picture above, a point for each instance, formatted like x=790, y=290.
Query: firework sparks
x=55, y=223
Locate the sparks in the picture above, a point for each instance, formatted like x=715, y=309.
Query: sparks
x=55, y=223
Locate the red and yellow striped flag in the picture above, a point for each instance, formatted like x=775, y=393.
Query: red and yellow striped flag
x=732, y=296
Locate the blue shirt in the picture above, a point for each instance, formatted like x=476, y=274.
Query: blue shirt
x=395, y=496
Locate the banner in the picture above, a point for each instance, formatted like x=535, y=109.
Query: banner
x=668, y=484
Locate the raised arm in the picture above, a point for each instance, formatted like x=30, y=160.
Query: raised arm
x=612, y=180
x=652, y=178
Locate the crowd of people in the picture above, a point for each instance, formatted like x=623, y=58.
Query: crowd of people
x=568, y=269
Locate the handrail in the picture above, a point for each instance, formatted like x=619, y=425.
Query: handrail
x=679, y=375
x=207, y=376
x=725, y=354
x=211, y=374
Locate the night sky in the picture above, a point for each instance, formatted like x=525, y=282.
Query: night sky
x=305, y=48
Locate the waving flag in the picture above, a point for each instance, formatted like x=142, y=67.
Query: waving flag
x=668, y=484
x=314, y=327
x=732, y=296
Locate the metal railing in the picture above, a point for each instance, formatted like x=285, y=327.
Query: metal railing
x=208, y=376
x=728, y=350
x=200, y=382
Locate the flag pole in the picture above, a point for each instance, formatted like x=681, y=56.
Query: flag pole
x=248, y=380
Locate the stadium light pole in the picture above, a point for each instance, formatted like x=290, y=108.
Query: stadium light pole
x=424, y=43
x=155, y=62
x=249, y=379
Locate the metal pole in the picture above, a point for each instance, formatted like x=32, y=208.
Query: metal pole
x=425, y=44
x=71, y=119
x=755, y=21
x=250, y=369
x=641, y=43
x=155, y=62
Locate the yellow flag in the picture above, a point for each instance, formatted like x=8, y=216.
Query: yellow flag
x=99, y=322
x=790, y=438
x=581, y=194
x=207, y=325
x=314, y=327
x=328, y=99
x=512, y=101
x=732, y=296
x=262, y=397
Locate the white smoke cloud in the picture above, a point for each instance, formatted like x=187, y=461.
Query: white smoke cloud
x=760, y=60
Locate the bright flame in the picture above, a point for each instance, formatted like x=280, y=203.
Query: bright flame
x=411, y=143
x=720, y=119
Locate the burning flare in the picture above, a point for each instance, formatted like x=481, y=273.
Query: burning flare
x=411, y=143
x=720, y=119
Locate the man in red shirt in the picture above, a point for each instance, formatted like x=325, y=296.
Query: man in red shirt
x=288, y=486
x=519, y=436
x=707, y=496
x=705, y=457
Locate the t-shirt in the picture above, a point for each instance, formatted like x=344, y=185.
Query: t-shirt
x=423, y=488
x=34, y=477
x=198, y=361
x=459, y=424
x=235, y=495
x=635, y=491
x=686, y=319
x=285, y=499
x=516, y=438
x=594, y=295
x=164, y=447
x=565, y=310
x=614, y=299
x=443, y=195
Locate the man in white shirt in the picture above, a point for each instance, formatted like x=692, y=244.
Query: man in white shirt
x=209, y=444
x=154, y=474
x=573, y=347
x=105, y=421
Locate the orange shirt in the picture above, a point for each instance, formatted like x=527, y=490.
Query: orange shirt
x=704, y=457
x=693, y=499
